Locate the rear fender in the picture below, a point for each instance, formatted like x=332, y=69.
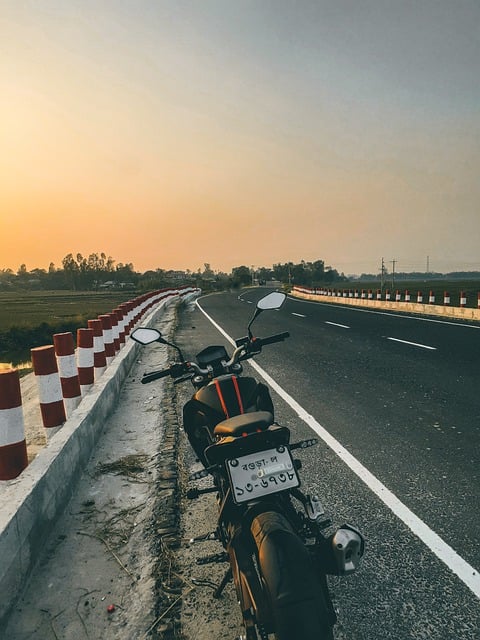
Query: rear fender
x=291, y=583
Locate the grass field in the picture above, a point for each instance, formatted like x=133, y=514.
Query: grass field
x=31, y=308
x=29, y=319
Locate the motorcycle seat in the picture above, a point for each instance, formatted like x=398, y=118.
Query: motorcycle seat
x=244, y=423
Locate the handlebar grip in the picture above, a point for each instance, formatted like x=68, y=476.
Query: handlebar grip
x=279, y=337
x=155, y=375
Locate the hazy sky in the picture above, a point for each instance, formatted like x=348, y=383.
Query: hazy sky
x=173, y=133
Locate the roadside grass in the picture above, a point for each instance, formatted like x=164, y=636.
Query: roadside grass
x=30, y=318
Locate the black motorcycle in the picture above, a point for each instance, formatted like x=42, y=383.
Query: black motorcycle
x=273, y=534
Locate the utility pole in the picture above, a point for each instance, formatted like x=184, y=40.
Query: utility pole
x=382, y=277
x=393, y=273
x=428, y=264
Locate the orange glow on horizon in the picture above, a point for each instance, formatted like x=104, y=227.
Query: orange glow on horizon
x=169, y=142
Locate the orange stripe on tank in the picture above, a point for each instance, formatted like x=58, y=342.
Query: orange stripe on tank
x=222, y=400
x=237, y=391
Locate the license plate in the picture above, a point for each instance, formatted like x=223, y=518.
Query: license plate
x=262, y=473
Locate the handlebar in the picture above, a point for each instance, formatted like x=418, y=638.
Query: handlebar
x=247, y=347
x=279, y=337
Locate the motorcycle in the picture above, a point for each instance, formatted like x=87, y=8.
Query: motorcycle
x=273, y=534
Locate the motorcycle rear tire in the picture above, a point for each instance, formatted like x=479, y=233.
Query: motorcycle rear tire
x=298, y=600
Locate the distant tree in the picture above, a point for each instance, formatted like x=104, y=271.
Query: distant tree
x=264, y=274
x=7, y=278
x=71, y=270
x=22, y=272
x=125, y=273
x=241, y=276
x=207, y=272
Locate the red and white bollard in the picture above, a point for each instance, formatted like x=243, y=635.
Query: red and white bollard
x=85, y=363
x=363, y=294
x=407, y=296
x=129, y=324
x=379, y=294
x=13, y=447
x=478, y=300
x=446, y=298
x=370, y=294
x=49, y=387
x=398, y=296
x=99, y=357
x=115, y=331
x=419, y=297
x=107, y=337
x=463, y=299
x=67, y=367
x=387, y=294
x=431, y=298
x=121, y=325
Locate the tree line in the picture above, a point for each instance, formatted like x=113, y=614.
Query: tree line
x=99, y=271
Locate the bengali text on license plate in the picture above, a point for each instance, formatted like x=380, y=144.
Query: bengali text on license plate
x=259, y=474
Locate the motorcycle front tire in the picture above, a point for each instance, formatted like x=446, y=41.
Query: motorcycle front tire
x=298, y=599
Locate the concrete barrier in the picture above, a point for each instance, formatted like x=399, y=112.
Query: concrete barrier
x=32, y=502
x=447, y=311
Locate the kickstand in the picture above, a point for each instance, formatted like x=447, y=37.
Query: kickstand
x=226, y=579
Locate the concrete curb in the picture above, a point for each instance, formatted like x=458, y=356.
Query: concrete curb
x=459, y=313
x=32, y=502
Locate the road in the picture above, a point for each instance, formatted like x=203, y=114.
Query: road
x=399, y=395
x=397, y=456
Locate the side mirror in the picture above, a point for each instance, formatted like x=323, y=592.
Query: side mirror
x=273, y=300
x=144, y=336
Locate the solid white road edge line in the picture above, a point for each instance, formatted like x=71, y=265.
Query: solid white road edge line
x=467, y=574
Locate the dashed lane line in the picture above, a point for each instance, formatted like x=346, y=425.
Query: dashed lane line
x=413, y=344
x=337, y=324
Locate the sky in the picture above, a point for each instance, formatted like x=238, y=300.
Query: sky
x=169, y=134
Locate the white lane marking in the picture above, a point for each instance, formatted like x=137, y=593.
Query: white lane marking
x=413, y=344
x=405, y=315
x=467, y=574
x=336, y=324
x=300, y=315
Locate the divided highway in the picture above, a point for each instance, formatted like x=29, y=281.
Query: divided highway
x=399, y=399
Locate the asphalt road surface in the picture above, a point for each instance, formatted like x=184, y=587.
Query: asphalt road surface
x=395, y=400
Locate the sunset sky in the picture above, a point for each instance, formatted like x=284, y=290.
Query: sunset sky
x=238, y=132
